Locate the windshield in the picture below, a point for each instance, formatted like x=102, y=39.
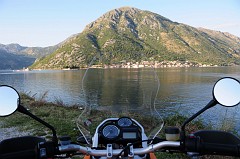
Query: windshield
x=114, y=88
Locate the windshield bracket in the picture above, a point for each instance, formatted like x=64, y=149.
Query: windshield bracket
x=109, y=151
x=131, y=153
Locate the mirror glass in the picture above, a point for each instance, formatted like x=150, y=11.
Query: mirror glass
x=227, y=92
x=9, y=100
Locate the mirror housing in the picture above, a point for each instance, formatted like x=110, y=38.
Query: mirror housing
x=9, y=100
x=226, y=92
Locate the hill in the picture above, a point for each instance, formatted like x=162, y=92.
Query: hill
x=29, y=51
x=16, y=56
x=126, y=32
x=9, y=61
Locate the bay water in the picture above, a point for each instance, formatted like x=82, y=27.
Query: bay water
x=182, y=90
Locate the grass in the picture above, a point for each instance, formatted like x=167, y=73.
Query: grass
x=62, y=118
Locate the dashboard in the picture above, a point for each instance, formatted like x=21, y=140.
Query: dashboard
x=119, y=130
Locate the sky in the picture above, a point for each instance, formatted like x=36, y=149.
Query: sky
x=49, y=22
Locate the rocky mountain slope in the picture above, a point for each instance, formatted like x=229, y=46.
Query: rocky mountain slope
x=126, y=32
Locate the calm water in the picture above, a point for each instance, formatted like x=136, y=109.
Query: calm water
x=183, y=90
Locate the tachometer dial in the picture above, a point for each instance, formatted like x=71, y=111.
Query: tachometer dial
x=110, y=132
x=123, y=122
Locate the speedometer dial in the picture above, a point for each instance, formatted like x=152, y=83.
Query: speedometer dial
x=123, y=122
x=110, y=132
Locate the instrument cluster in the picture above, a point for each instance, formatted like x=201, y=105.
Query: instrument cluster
x=119, y=130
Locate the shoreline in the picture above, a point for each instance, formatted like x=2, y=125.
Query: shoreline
x=143, y=64
x=112, y=67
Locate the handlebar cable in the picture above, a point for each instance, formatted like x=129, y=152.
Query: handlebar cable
x=131, y=144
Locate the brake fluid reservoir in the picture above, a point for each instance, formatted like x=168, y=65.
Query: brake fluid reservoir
x=172, y=133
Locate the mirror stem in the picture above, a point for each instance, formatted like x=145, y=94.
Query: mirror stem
x=209, y=105
x=26, y=112
x=212, y=103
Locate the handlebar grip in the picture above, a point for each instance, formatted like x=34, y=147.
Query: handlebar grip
x=195, y=144
x=26, y=154
x=220, y=149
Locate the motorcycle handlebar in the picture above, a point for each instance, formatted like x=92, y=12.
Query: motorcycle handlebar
x=192, y=145
x=195, y=145
x=116, y=152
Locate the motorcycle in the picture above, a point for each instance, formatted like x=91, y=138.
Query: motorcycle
x=127, y=127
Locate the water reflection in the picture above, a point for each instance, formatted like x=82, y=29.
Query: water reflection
x=132, y=88
x=63, y=85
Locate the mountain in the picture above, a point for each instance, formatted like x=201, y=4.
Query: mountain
x=126, y=32
x=15, y=56
x=29, y=51
x=12, y=48
x=12, y=61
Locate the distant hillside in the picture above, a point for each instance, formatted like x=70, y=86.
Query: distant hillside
x=12, y=61
x=30, y=51
x=16, y=56
x=126, y=32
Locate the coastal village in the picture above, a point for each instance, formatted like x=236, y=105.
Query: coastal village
x=154, y=64
x=142, y=64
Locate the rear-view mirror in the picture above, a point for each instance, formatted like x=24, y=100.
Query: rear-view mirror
x=9, y=100
x=226, y=92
